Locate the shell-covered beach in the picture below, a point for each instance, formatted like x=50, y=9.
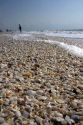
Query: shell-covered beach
x=40, y=84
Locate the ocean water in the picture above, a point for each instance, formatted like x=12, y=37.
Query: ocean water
x=38, y=35
x=68, y=34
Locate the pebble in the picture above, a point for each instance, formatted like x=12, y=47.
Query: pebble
x=31, y=93
x=28, y=108
x=2, y=120
x=76, y=118
x=81, y=69
x=4, y=124
x=80, y=87
x=57, y=114
x=17, y=113
x=59, y=121
x=25, y=114
x=69, y=120
x=32, y=123
x=81, y=123
x=19, y=79
x=4, y=115
x=1, y=80
x=39, y=120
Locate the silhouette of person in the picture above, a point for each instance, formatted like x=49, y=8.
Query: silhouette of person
x=20, y=28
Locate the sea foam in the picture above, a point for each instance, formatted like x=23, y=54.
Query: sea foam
x=70, y=48
x=34, y=36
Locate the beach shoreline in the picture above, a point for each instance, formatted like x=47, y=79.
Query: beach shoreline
x=40, y=83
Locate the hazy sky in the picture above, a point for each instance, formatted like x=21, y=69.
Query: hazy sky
x=41, y=14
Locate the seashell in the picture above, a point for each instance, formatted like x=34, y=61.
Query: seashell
x=21, y=101
x=32, y=114
x=18, y=88
x=13, y=106
x=24, y=122
x=8, y=93
x=27, y=74
x=3, y=65
x=1, y=101
x=58, y=114
x=60, y=101
x=10, y=121
x=42, y=98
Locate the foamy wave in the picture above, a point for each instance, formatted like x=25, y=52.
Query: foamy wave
x=26, y=35
x=69, y=34
x=34, y=36
x=70, y=48
x=23, y=36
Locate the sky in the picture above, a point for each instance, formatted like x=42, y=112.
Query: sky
x=41, y=14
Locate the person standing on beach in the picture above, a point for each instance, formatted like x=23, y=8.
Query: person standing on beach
x=20, y=28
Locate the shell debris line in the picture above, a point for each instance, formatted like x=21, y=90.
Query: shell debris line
x=40, y=84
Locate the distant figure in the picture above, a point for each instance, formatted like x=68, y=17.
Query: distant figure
x=20, y=28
